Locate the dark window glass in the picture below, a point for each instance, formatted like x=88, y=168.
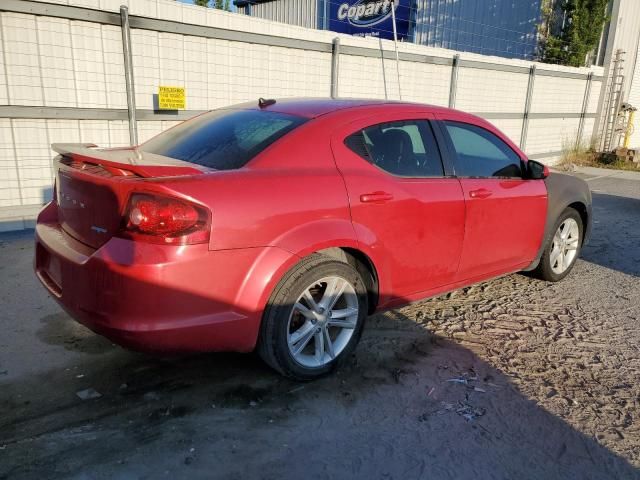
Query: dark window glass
x=479, y=153
x=223, y=139
x=405, y=148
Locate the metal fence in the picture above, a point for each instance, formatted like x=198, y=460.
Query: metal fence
x=224, y=58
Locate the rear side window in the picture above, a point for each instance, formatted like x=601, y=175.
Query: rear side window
x=480, y=153
x=405, y=148
x=223, y=139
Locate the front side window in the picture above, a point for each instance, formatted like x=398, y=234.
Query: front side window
x=480, y=153
x=223, y=139
x=404, y=148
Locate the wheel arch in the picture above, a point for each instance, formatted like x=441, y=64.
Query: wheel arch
x=363, y=265
x=582, y=210
x=564, y=191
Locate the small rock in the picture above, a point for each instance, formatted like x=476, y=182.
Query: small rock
x=88, y=394
x=188, y=460
x=552, y=393
x=252, y=403
x=151, y=396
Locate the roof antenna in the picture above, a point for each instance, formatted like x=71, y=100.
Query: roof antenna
x=265, y=102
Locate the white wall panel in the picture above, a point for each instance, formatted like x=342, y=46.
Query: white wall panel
x=118, y=133
x=88, y=58
x=511, y=127
x=552, y=94
x=116, y=90
x=481, y=90
x=20, y=39
x=146, y=66
x=55, y=62
x=9, y=183
x=147, y=130
x=94, y=131
x=33, y=159
x=551, y=134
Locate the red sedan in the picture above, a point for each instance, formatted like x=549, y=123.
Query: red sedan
x=281, y=225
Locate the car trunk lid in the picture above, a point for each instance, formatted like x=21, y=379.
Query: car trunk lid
x=93, y=186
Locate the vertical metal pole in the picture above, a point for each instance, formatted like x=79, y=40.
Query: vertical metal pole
x=527, y=108
x=128, y=75
x=395, y=43
x=453, y=84
x=585, y=106
x=335, y=67
x=325, y=14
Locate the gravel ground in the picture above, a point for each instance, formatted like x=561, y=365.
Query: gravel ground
x=513, y=378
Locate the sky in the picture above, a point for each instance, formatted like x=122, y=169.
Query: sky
x=233, y=7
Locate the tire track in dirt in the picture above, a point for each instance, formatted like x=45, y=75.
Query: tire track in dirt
x=578, y=362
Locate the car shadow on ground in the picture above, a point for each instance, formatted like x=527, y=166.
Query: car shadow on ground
x=615, y=240
x=407, y=404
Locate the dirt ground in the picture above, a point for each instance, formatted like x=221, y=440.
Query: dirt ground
x=513, y=378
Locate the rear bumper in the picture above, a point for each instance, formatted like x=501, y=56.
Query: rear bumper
x=155, y=297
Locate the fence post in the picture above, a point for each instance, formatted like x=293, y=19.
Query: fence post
x=585, y=106
x=128, y=75
x=335, y=66
x=527, y=107
x=453, y=84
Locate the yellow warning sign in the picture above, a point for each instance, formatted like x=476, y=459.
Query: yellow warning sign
x=171, y=98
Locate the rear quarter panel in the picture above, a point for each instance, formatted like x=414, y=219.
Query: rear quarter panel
x=290, y=196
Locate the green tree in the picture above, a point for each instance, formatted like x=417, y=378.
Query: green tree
x=219, y=4
x=583, y=22
x=201, y=3
x=227, y=5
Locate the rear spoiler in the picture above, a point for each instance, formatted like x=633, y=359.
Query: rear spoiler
x=67, y=148
x=127, y=160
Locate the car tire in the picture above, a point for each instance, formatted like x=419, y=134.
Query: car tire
x=290, y=317
x=548, y=269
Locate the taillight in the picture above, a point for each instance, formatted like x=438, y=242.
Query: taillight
x=160, y=219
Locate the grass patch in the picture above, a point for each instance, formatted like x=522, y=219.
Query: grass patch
x=583, y=155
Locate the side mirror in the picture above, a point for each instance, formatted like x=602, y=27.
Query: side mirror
x=536, y=170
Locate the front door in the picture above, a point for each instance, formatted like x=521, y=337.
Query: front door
x=404, y=208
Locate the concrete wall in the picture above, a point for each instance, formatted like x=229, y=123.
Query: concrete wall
x=62, y=80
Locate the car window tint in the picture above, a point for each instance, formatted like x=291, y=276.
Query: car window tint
x=403, y=148
x=223, y=139
x=480, y=153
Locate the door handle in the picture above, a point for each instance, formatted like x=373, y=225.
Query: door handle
x=480, y=193
x=376, y=197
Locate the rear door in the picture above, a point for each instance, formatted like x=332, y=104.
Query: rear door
x=404, y=206
x=505, y=212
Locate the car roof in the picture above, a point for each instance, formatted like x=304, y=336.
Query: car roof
x=315, y=107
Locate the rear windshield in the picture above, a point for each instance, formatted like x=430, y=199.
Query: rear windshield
x=223, y=139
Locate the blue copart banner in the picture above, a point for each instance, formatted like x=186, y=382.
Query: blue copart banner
x=369, y=17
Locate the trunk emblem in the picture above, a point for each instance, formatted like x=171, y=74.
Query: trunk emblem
x=68, y=198
x=98, y=229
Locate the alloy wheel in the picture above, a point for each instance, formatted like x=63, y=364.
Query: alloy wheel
x=565, y=246
x=322, y=321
